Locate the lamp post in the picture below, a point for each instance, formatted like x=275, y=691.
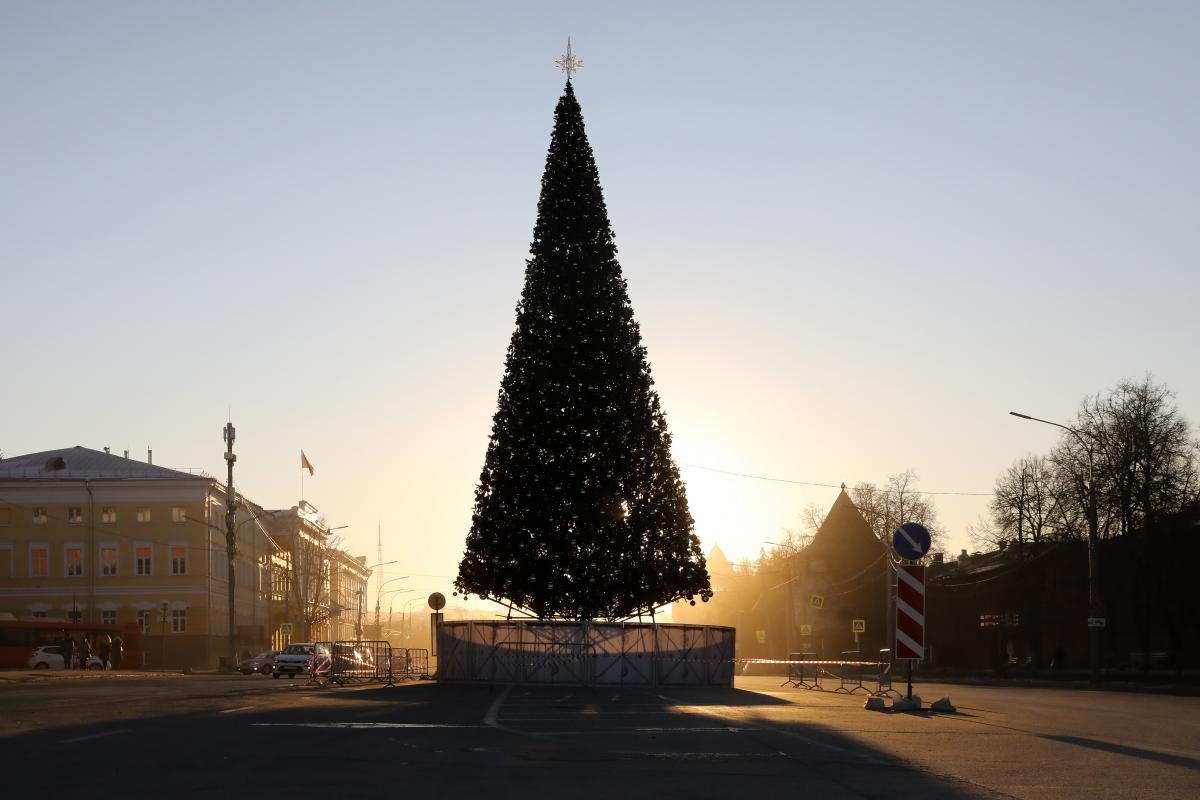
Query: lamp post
x=379, y=588
x=1095, y=604
x=231, y=534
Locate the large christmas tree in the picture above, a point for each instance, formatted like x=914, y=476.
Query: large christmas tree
x=580, y=512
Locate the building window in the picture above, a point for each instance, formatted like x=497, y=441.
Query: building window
x=108, y=514
x=178, y=514
x=39, y=515
x=178, y=559
x=179, y=620
x=39, y=561
x=74, y=560
x=143, y=621
x=108, y=617
x=141, y=559
x=75, y=515
x=143, y=514
x=108, y=559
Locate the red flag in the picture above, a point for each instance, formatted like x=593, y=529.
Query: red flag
x=304, y=463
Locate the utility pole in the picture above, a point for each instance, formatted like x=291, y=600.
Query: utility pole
x=230, y=536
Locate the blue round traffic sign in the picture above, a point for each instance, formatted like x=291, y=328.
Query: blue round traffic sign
x=911, y=541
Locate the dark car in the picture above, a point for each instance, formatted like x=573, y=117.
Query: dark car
x=261, y=663
x=356, y=662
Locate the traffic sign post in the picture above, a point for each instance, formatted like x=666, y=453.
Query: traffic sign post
x=910, y=615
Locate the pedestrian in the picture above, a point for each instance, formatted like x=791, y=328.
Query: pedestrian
x=118, y=651
x=105, y=650
x=85, y=651
x=68, y=650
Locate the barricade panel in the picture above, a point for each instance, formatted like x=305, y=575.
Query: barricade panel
x=606, y=653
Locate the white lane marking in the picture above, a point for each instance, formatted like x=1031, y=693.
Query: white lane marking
x=493, y=711
x=359, y=725
x=93, y=736
x=232, y=710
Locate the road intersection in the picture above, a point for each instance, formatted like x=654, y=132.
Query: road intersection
x=201, y=735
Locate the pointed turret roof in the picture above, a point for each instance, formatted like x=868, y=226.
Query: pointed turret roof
x=844, y=529
x=718, y=563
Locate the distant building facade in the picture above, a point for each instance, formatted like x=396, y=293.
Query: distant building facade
x=88, y=535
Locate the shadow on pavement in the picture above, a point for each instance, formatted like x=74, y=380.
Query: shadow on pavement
x=1125, y=750
x=429, y=740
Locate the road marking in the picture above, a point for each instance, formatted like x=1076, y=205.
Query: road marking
x=232, y=710
x=359, y=725
x=493, y=711
x=93, y=736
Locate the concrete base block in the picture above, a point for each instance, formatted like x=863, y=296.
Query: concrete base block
x=905, y=704
x=874, y=704
x=943, y=705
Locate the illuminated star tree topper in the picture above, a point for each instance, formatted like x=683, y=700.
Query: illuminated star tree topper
x=569, y=63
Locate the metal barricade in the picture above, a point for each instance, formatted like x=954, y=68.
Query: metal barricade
x=418, y=663
x=320, y=666
x=850, y=673
x=356, y=661
x=884, y=684
x=801, y=673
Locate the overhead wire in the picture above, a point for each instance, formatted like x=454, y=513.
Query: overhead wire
x=826, y=485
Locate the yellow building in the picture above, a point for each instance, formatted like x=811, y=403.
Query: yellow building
x=116, y=540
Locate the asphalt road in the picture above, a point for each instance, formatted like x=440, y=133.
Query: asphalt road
x=174, y=736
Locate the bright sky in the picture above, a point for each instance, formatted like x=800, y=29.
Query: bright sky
x=855, y=235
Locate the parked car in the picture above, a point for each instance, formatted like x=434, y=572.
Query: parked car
x=294, y=659
x=51, y=657
x=357, y=662
x=261, y=663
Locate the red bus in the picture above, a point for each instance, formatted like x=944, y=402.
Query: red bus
x=19, y=638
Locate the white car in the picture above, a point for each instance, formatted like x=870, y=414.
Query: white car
x=51, y=657
x=294, y=659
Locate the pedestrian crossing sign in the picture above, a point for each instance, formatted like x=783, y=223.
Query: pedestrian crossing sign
x=858, y=626
x=817, y=601
x=806, y=630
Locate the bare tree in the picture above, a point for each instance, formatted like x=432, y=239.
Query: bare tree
x=1143, y=452
x=887, y=507
x=1028, y=505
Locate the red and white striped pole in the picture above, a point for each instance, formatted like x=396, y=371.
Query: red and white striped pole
x=910, y=615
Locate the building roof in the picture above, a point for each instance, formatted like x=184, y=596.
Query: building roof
x=82, y=463
x=717, y=562
x=845, y=533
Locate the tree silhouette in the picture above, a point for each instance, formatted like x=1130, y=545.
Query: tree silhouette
x=580, y=511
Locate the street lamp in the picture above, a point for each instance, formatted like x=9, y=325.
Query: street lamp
x=379, y=588
x=1095, y=604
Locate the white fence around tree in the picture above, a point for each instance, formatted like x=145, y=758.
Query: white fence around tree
x=585, y=653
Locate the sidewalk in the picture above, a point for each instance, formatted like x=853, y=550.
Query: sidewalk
x=30, y=675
